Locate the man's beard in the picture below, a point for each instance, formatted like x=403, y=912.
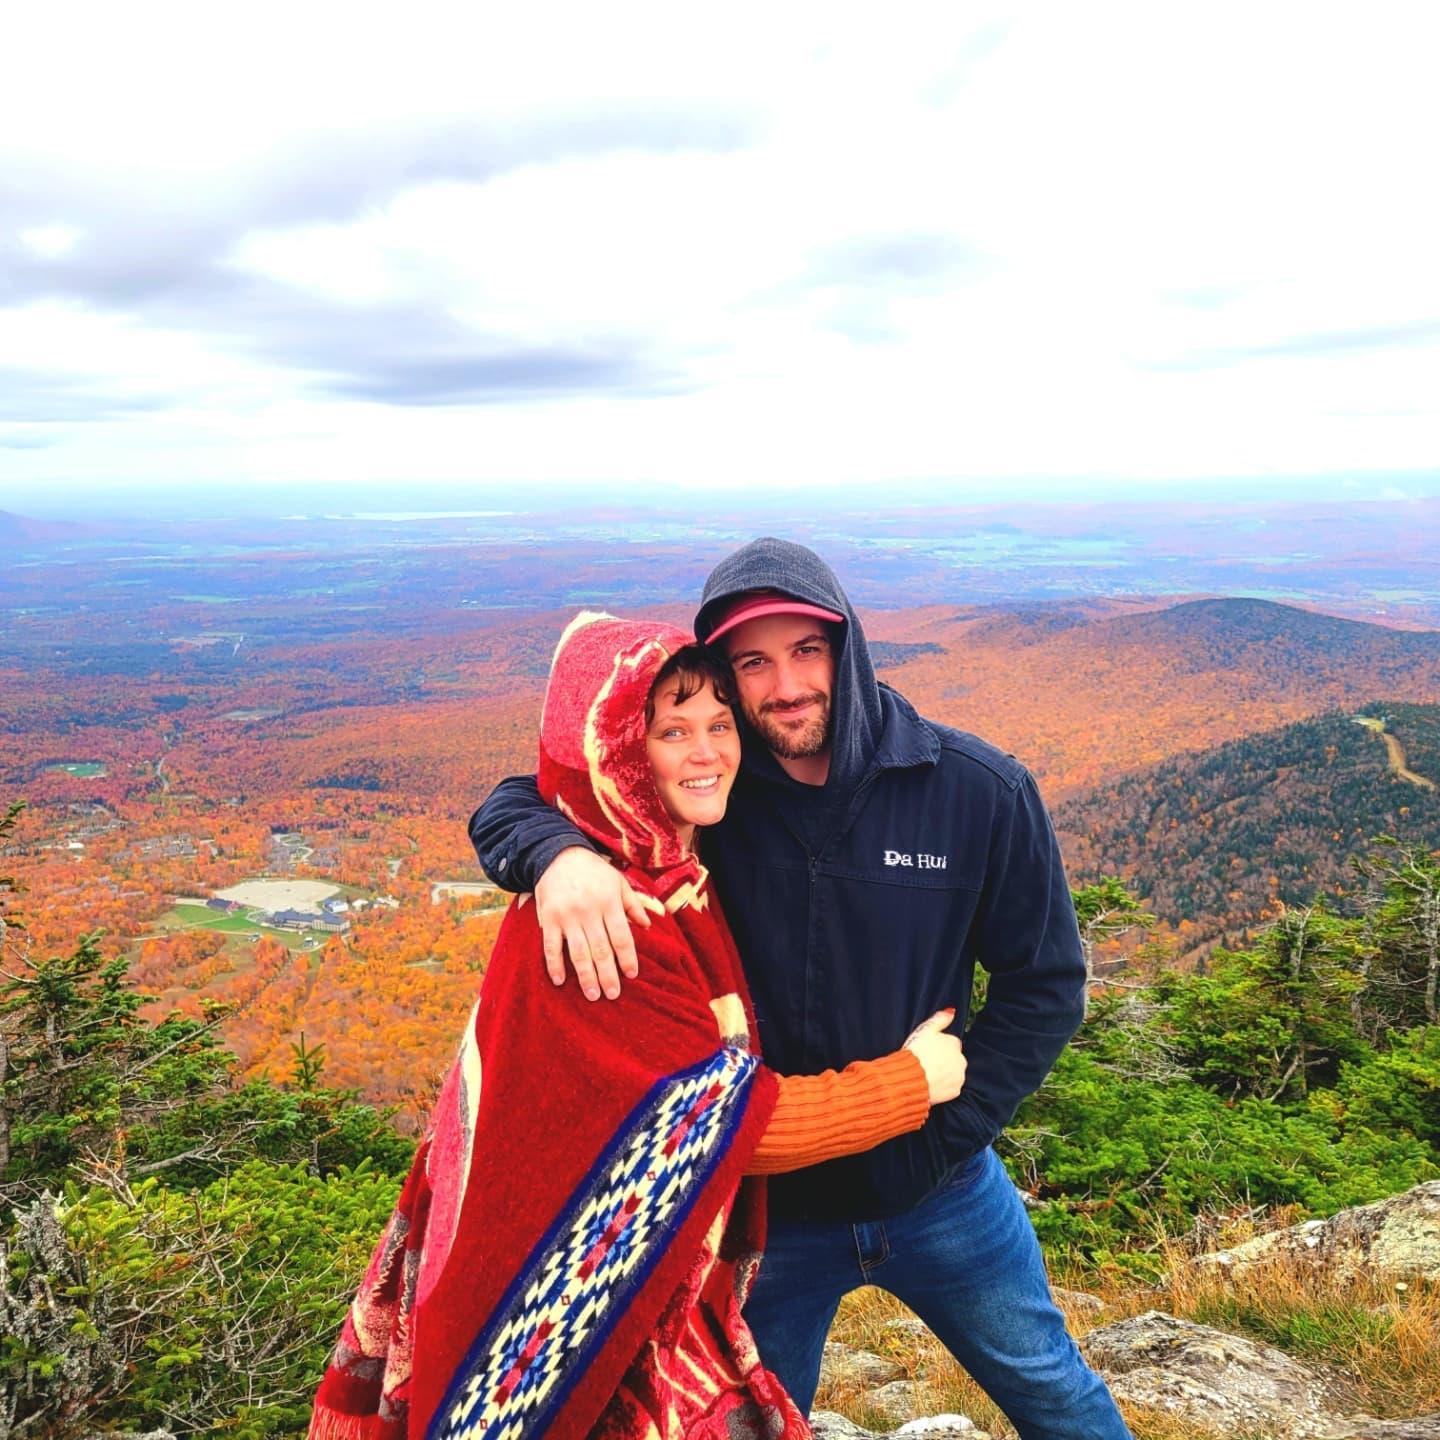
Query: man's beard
x=792, y=742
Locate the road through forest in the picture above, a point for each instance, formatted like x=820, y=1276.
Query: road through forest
x=1396, y=752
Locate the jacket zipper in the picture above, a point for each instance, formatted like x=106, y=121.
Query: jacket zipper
x=812, y=862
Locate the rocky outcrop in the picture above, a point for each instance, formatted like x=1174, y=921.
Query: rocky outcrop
x=1211, y=1378
x=1077, y=1300
x=1398, y=1238
x=884, y=1393
x=909, y=1331
x=852, y=1369
x=895, y=1403
x=1362, y=1427
x=830, y=1426
x=128, y=1435
x=942, y=1427
x=1223, y=1383
x=1232, y=1385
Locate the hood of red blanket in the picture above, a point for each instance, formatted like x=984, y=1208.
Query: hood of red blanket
x=593, y=761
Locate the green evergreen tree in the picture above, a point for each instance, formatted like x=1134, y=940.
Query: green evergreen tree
x=1275, y=1019
x=1105, y=911
x=1402, y=906
x=309, y=1062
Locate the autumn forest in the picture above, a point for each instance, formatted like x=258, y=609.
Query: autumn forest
x=188, y=716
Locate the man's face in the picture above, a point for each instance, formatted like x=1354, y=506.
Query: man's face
x=784, y=677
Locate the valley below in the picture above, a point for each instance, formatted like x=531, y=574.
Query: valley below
x=364, y=694
x=259, y=824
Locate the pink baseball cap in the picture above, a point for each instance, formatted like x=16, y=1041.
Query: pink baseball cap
x=755, y=603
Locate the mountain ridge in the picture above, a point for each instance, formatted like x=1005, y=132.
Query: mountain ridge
x=1216, y=841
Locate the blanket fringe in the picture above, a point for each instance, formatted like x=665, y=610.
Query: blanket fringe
x=328, y=1424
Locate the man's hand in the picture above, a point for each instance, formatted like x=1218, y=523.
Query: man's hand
x=586, y=906
x=940, y=1055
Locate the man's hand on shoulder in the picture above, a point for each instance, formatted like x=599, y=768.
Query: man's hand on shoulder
x=586, y=906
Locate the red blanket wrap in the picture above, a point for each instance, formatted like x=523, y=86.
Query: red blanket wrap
x=571, y=1250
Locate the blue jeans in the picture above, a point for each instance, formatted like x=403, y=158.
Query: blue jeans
x=966, y=1261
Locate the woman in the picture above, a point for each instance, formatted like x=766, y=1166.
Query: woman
x=571, y=1251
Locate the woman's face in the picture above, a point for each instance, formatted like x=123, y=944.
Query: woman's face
x=694, y=753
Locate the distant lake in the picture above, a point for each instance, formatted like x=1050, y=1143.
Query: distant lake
x=416, y=515
x=1007, y=549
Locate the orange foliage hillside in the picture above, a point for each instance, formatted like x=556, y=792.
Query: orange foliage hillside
x=1082, y=696
x=374, y=753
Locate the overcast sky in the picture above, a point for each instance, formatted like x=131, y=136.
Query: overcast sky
x=690, y=246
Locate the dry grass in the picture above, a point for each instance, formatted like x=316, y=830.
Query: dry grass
x=944, y=1388
x=1383, y=1338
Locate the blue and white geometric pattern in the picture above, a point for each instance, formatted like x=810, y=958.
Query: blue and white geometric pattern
x=579, y=1280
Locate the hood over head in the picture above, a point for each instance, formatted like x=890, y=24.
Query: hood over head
x=856, y=716
x=594, y=766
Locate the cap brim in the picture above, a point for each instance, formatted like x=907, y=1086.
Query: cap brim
x=777, y=606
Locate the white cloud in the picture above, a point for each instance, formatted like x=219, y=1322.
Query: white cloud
x=50, y=241
x=802, y=246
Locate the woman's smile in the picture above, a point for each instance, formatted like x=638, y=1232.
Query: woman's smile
x=694, y=752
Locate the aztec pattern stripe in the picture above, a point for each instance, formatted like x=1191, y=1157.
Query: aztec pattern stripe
x=578, y=1281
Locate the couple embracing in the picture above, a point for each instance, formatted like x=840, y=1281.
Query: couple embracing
x=578, y=1248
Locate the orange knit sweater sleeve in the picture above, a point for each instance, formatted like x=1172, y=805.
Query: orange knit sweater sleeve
x=820, y=1117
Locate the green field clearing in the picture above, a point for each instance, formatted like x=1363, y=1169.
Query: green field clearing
x=201, y=917
x=81, y=770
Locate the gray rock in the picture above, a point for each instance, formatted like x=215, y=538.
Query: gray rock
x=909, y=1330
x=856, y=1369
x=1221, y=1381
x=827, y=1425
x=1363, y=1427
x=942, y=1427
x=1225, y=1383
x=1396, y=1237
x=128, y=1435
x=896, y=1402
x=1077, y=1299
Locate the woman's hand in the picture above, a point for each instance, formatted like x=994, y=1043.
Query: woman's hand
x=940, y=1055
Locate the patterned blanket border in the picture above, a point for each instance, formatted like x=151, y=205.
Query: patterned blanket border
x=579, y=1279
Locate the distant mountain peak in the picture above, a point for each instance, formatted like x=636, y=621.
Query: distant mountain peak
x=1226, y=622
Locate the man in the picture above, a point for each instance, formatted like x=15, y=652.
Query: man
x=868, y=859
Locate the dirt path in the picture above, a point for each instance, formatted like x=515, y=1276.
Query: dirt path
x=1396, y=752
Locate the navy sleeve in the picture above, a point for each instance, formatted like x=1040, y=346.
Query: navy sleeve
x=516, y=834
x=1026, y=936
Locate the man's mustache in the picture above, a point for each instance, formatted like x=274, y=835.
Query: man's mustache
x=780, y=707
